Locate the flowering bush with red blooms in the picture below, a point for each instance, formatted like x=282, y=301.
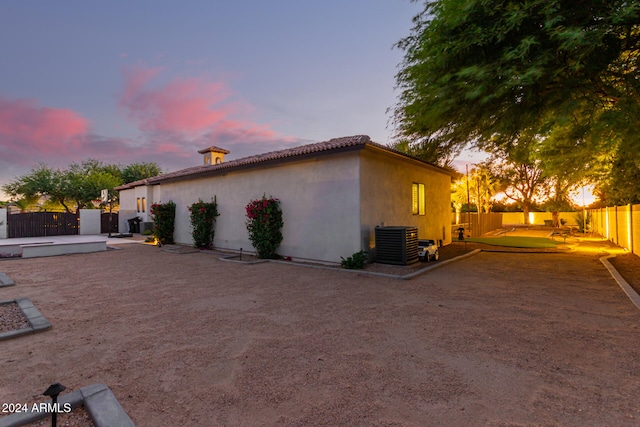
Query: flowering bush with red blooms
x=163, y=216
x=264, y=222
x=203, y=217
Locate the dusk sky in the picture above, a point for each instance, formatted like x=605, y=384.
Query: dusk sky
x=126, y=82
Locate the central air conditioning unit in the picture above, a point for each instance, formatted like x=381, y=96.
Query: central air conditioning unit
x=397, y=245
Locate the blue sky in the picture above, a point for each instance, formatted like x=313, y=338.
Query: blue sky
x=125, y=82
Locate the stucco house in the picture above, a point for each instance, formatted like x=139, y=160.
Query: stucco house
x=333, y=194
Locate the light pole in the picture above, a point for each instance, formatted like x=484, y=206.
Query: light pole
x=468, y=202
x=584, y=214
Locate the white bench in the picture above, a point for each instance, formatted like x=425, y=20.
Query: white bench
x=62, y=248
x=16, y=248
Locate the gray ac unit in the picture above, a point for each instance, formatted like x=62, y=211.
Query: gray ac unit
x=397, y=245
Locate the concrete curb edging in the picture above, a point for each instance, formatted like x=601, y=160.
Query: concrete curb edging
x=37, y=322
x=101, y=404
x=440, y=264
x=229, y=259
x=392, y=276
x=624, y=285
x=5, y=280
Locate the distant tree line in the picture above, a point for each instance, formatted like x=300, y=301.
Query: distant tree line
x=76, y=187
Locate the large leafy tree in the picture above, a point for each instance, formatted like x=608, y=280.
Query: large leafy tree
x=488, y=73
x=521, y=174
x=78, y=185
x=43, y=181
x=138, y=171
x=622, y=185
x=88, y=178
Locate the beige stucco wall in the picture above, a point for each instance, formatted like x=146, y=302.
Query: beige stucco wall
x=386, y=182
x=129, y=204
x=319, y=200
x=331, y=203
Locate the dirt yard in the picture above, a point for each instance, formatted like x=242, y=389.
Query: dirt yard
x=497, y=339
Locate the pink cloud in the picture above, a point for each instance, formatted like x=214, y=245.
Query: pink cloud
x=176, y=117
x=189, y=109
x=28, y=129
x=233, y=130
x=186, y=105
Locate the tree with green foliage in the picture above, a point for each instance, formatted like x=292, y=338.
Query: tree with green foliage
x=429, y=150
x=482, y=186
x=25, y=204
x=88, y=178
x=79, y=185
x=521, y=176
x=490, y=73
x=137, y=171
x=42, y=181
x=621, y=185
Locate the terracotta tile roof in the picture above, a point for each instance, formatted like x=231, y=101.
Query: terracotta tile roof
x=310, y=149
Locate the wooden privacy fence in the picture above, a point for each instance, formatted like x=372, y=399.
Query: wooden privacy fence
x=619, y=224
x=475, y=224
x=39, y=224
x=104, y=222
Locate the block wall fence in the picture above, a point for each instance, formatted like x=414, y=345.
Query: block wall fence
x=619, y=224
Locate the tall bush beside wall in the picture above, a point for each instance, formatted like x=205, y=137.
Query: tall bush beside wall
x=164, y=216
x=203, y=218
x=580, y=220
x=264, y=224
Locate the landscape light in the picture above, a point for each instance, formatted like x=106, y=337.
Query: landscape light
x=53, y=391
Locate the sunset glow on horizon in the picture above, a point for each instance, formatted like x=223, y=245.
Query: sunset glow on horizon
x=158, y=85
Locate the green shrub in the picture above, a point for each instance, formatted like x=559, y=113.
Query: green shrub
x=147, y=233
x=203, y=217
x=164, y=216
x=355, y=261
x=264, y=224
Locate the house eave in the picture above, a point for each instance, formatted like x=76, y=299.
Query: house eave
x=312, y=151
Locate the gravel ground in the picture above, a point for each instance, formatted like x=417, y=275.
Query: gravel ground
x=79, y=417
x=498, y=339
x=628, y=265
x=11, y=318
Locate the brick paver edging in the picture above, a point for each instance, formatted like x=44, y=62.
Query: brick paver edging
x=98, y=400
x=37, y=322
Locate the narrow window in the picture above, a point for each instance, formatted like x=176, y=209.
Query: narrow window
x=138, y=200
x=144, y=204
x=421, y=200
x=415, y=203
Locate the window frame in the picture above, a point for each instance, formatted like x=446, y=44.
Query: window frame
x=418, y=199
